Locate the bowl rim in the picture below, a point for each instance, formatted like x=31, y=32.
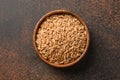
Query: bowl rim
x=37, y=26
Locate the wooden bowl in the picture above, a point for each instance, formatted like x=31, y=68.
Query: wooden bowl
x=37, y=26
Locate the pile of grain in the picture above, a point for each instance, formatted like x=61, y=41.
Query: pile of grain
x=61, y=39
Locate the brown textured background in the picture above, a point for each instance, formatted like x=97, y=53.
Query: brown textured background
x=19, y=61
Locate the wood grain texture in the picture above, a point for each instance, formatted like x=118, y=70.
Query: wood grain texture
x=19, y=61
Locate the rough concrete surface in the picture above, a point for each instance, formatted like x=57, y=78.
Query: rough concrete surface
x=19, y=61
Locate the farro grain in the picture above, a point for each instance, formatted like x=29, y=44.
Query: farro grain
x=61, y=39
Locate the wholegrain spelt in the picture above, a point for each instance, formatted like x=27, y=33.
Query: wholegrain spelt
x=61, y=39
